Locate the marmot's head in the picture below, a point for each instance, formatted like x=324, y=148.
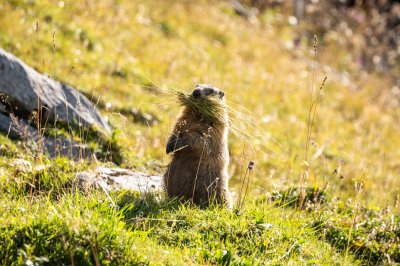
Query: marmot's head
x=207, y=91
x=206, y=102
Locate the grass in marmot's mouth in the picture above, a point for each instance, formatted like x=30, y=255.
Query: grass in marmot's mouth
x=210, y=109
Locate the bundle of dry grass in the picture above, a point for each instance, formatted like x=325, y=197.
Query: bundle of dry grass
x=209, y=109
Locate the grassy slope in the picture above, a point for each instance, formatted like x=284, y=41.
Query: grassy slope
x=122, y=50
x=79, y=228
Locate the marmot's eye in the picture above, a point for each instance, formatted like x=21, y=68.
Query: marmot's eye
x=196, y=93
x=208, y=91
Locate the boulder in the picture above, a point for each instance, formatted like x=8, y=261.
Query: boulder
x=24, y=91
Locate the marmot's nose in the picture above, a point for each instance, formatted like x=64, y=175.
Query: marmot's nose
x=221, y=94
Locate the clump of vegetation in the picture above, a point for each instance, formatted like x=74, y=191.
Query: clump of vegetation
x=78, y=230
x=210, y=109
x=306, y=198
x=370, y=235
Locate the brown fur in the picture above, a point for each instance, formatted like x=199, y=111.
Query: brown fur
x=198, y=171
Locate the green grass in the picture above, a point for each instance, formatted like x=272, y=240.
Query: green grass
x=128, y=54
x=79, y=228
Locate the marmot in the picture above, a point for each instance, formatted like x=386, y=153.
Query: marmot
x=198, y=171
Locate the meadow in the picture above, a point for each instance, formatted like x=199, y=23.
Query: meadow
x=325, y=186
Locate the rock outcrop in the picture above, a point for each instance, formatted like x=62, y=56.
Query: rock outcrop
x=25, y=91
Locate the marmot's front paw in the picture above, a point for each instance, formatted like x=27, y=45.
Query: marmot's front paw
x=175, y=143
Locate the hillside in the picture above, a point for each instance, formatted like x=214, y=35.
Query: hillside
x=128, y=55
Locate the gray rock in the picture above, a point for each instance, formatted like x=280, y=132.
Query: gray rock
x=27, y=91
x=118, y=178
